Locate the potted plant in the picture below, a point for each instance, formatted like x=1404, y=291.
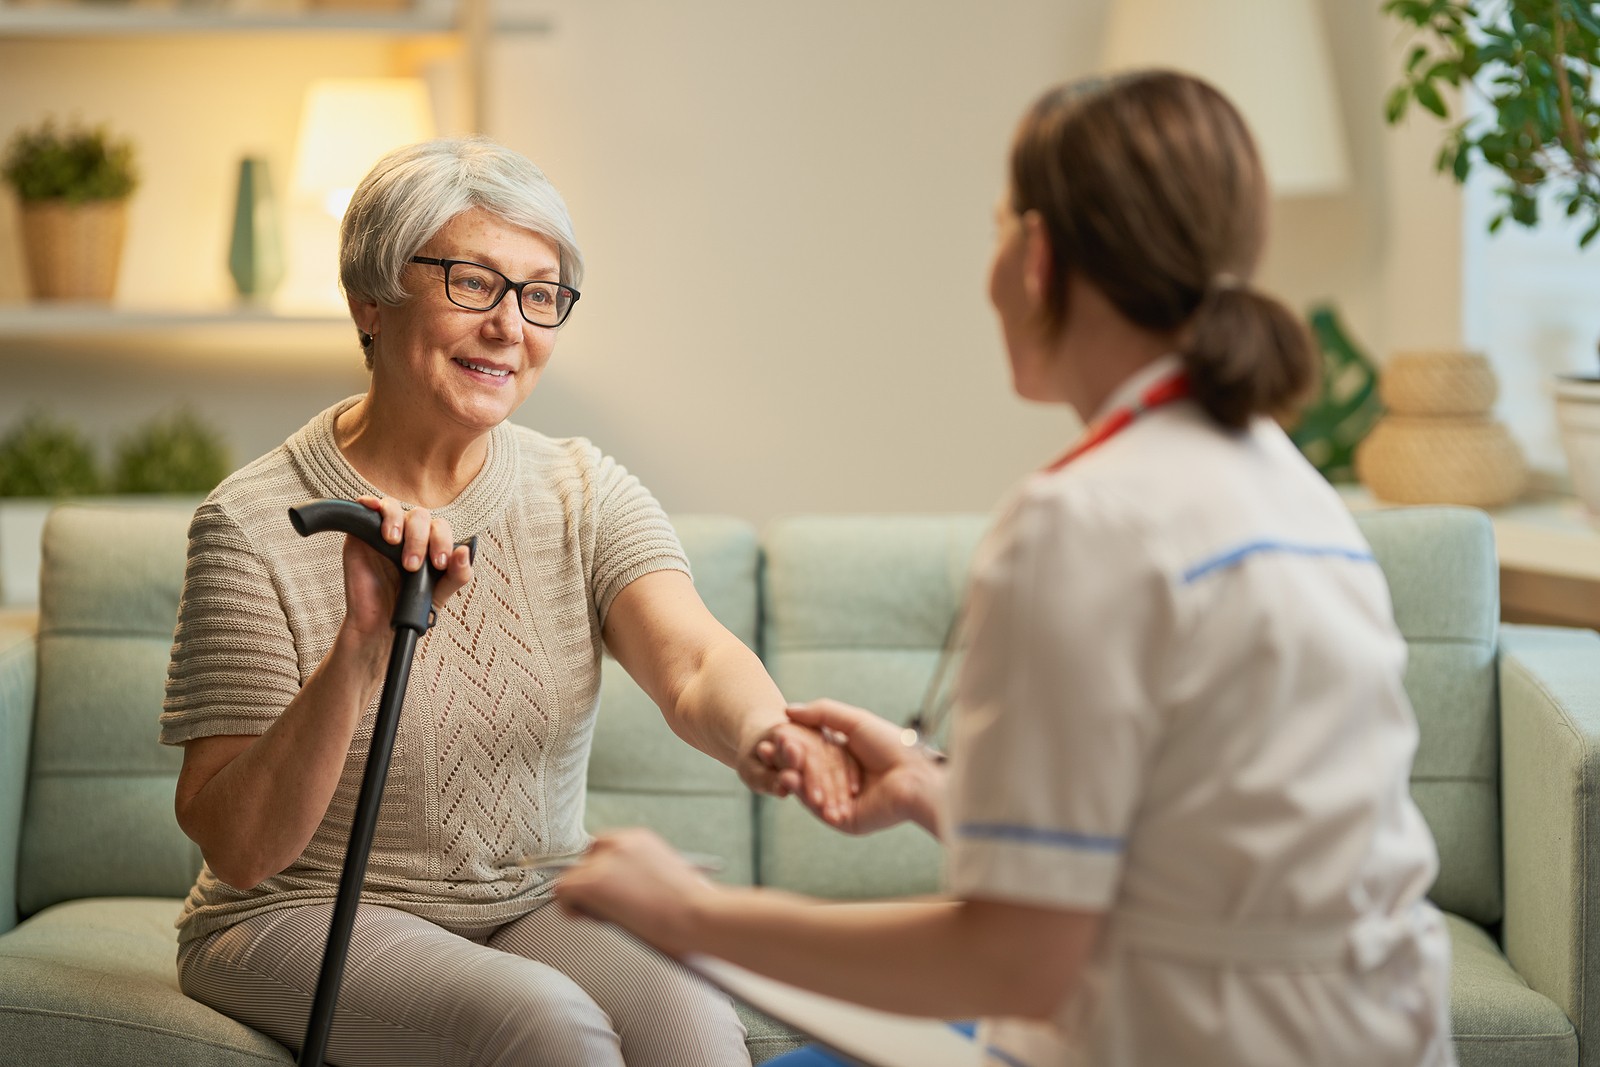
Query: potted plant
x=178, y=454
x=177, y=457
x=73, y=184
x=41, y=461
x=1532, y=63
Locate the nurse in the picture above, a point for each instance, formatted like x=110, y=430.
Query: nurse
x=1176, y=808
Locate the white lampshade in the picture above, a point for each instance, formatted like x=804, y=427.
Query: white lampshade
x=1268, y=56
x=346, y=125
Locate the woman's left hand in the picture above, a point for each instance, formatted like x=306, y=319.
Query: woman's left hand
x=635, y=879
x=791, y=758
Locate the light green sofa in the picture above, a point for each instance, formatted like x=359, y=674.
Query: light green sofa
x=93, y=864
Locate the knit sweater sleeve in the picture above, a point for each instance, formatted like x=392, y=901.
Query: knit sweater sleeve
x=632, y=534
x=234, y=667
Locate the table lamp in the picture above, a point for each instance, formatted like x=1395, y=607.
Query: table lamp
x=1268, y=56
x=346, y=125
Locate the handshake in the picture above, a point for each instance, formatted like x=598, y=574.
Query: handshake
x=853, y=770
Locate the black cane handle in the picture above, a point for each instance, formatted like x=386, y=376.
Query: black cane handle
x=413, y=605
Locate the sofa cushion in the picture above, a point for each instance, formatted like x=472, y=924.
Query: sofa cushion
x=96, y=981
x=1495, y=1017
x=1444, y=581
x=639, y=772
x=98, y=817
x=857, y=608
x=19, y=663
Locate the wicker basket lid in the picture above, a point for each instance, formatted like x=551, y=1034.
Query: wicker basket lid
x=1438, y=383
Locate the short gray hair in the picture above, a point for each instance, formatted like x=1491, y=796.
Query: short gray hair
x=411, y=193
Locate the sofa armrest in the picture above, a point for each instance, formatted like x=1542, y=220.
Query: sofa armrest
x=18, y=678
x=1550, y=794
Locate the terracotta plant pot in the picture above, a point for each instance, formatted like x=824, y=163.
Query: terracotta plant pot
x=73, y=251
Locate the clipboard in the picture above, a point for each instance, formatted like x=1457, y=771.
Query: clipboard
x=865, y=1036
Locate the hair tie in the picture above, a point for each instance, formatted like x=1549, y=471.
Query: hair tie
x=1223, y=282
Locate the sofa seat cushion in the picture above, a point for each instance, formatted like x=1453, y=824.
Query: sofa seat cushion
x=96, y=981
x=1497, y=1019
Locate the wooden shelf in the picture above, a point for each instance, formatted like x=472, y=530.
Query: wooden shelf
x=246, y=334
x=106, y=19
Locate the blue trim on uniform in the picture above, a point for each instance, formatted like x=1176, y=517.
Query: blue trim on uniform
x=1032, y=835
x=1251, y=548
x=1003, y=1056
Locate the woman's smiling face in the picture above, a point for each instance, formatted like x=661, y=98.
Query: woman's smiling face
x=472, y=368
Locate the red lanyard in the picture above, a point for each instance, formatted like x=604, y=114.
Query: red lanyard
x=1173, y=387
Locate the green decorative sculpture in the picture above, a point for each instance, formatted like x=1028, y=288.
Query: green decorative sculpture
x=1346, y=405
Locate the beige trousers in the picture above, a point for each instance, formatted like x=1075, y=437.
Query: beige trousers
x=547, y=990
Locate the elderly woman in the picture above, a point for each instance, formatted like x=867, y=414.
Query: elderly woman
x=459, y=265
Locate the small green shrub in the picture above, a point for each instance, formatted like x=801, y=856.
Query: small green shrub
x=42, y=457
x=176, y=454
x=74, y=164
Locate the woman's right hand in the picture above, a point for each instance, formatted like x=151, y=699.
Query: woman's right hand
x=370, y=581
x=898, y=782
x=252, y=803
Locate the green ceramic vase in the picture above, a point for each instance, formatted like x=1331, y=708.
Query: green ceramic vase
x=255, y=254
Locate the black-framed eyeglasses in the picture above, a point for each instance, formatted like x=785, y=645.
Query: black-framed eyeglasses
x=479, y=288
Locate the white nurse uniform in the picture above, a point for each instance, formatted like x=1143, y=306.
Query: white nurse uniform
x=1182, y=707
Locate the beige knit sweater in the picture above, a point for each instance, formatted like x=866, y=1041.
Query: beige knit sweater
x=489, y=765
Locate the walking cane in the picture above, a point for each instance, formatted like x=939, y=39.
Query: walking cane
x=413, y=614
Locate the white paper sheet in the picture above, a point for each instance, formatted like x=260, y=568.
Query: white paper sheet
x=870, y=1037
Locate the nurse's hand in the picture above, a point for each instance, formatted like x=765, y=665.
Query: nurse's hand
x=635, y=879
x=899, y=783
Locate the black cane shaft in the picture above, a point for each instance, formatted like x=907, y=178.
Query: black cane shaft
x=362, y=830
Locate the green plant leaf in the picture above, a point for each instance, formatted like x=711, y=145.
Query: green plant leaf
x=1583, y=14
x=1429, y=98
x=1445, y=70
x=1395, y=106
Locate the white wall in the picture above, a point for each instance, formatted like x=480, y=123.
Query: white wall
x=815, y=181
x=823, y=175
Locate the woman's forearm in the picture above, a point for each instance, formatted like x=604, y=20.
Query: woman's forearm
x=254, y=807
x=946, y=959
x=727, y=702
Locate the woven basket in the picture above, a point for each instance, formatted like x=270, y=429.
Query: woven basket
x=73, y=250
x=1469, y=460
x=1437, y=383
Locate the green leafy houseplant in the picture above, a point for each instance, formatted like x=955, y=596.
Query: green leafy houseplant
x=75, y=164
x=41, y=457
x=1532, y=61
x=176, y=454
